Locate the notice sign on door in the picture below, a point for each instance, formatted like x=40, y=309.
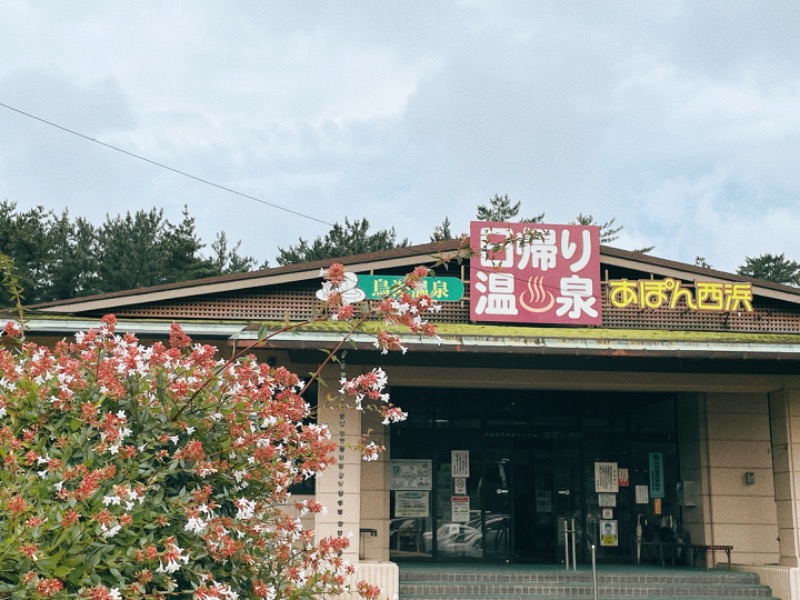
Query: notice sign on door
x=459, y=459
x=544, y=501
x=609, y=533
x=459, y=509
x=656, y=475
x=411, y=504
x=606, y=477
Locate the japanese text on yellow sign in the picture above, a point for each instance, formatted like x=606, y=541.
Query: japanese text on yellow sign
x=705, y=295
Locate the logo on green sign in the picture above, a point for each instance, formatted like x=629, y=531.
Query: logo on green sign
x=441, y=289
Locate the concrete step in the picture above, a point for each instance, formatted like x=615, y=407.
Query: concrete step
x=441, y=582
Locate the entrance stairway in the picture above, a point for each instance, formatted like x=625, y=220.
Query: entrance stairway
x=531, y=582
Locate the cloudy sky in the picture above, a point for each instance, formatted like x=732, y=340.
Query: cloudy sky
x=679, y=119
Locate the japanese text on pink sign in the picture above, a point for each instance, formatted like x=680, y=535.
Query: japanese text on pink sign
x=535, y=273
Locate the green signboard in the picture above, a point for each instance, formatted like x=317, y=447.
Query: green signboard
x=656, y=474
x=441, y=289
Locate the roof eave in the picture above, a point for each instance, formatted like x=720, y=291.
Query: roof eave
x=540, y=345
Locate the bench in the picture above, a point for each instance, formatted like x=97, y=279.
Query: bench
x=696, y=549
x=671, y=550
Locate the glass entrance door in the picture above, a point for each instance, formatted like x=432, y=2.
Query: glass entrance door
x=497, y=515
x=548, y=492
x=474, y=506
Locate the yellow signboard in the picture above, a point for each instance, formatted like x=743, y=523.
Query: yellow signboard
x=670, y=293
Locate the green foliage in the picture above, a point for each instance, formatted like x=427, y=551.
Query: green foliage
x=501, y=210
x=772, y=267
x=134, y=472
x=145, y=249
x=342, y=240
x=141, y=472
x=442, y=232
x=608, y=233
x=10, y=284
x=58, y=258
x=228, y=260
x=700, y=261
x=25, y=238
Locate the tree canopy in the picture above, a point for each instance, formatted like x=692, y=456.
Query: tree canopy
x=341, y=240
x=58, y=258
x=772, y=267
x=501, y=209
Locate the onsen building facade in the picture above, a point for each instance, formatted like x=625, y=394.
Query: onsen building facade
x=654, y=404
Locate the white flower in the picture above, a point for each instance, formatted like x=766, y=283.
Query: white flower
x=190, y=430
x=3, y=412
x=114, y=594
x=109, y=500
x=171, y=567
x=110, y=532
x=205, y=471
x=195, y=525
x=246, y=508
x=174, y=439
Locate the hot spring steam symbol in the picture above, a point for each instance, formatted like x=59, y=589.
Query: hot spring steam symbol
x=536, y=299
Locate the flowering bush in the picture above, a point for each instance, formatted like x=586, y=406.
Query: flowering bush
x=132, y=471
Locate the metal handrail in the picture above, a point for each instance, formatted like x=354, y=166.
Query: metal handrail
x=571, y=530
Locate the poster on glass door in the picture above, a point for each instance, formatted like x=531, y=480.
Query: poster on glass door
x=459, y=460
x=606, y=477
x=459, y=509
x=609, y=533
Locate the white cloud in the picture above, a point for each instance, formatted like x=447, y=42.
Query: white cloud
x=681, y=120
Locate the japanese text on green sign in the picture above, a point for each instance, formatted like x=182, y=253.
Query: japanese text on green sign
x=441, y=289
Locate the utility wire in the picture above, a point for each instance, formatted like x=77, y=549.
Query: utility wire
x=163, y=166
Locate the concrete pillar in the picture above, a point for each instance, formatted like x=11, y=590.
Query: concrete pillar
x=375, y=493
x=785, y=424
x=339, y=486
x=741, y=491
x=723, y=438
x=356, y=492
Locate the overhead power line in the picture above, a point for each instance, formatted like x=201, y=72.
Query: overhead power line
x=162, y=165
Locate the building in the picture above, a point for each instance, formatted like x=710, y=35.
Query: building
x=660, y=399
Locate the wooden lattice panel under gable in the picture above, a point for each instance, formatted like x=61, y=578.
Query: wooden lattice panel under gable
x=769, y=316
x=297, y=302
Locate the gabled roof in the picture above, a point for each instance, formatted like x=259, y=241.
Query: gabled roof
x=148, y=311
x=385, y=259
x=396, y=258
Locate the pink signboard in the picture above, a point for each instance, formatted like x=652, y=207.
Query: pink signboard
x=535, y=273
